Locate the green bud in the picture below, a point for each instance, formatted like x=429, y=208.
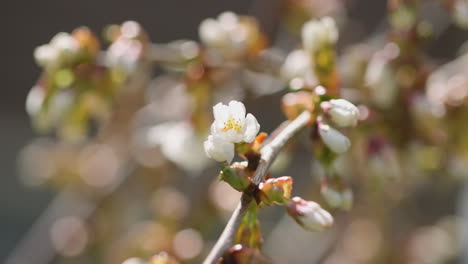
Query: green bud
x=236, y=176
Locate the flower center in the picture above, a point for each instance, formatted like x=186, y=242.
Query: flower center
x=232, y=123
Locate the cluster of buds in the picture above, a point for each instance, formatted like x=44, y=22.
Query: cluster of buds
x=314, y=64
x=232, y=36
x=77, y=85
x=66, y=50
x=60, y=51
x=129, y=42
x=342, y=113
x=231, y=126
x=73, y=86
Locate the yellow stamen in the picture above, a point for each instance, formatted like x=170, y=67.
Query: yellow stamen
x=232, y=124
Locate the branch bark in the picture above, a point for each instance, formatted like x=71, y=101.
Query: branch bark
x=268, y=156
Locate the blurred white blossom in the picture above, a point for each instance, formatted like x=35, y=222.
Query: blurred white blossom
x=180, y=144
x=61, y=50
x=317, y=34
x=227, y=34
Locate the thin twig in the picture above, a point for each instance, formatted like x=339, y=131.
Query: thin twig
x=268, y=155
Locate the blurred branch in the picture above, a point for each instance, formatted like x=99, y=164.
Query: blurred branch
x=36, y=246
x=269, y=153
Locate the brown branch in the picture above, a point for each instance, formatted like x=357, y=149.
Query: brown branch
x=269, y=153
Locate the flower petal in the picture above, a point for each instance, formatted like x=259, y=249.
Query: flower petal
x=251, y=128
x=221, y=112
x=237, y=110
x=218, y=149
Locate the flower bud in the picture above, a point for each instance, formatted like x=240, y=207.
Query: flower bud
x=218, y=149
x=276, y=190
x=336, y=141
x=342, y=112
x=319, y=33
x=340, y=197
x=309, y=214
x=236, y=176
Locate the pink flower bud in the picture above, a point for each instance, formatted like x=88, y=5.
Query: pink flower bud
x=309, y=214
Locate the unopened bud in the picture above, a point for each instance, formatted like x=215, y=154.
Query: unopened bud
x=309, y=214
x=336, y=141
x=276, y=190
x=236, y=176
x=342, y=112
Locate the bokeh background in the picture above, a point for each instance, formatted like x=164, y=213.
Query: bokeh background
x=27, y=24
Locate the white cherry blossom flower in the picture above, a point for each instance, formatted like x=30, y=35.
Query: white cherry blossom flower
x=319, y=33
x=297, y=64
x=232, y=125
x=342, y=112
x=310, y=215
x=336, y=141
x=218, y=149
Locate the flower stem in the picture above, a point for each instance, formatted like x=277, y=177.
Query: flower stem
x=268, y=155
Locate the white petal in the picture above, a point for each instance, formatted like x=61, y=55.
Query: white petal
x=237, y=110
x=218, y=149
x=221, y=112
x=251, y=128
